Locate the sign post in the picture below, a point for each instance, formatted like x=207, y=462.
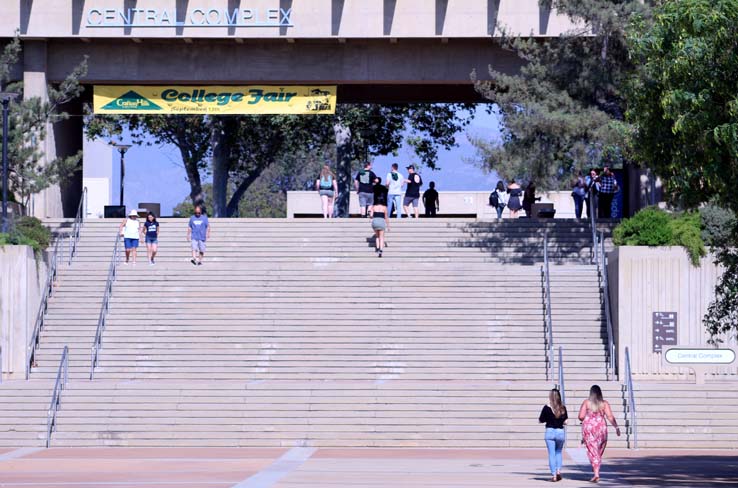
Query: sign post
x=664, y=330
x=698, y=358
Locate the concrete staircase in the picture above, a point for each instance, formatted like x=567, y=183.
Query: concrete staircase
x=295, y=333
x=681, y=415
x=23, y=408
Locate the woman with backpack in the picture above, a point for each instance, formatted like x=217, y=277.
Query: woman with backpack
x=327, y=189
x=498, y=198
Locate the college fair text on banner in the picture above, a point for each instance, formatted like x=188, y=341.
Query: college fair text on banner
x=214, y=100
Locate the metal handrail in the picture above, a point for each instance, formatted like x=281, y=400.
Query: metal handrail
x=547, y=304
x=562, y=386
x=47, y=292
x=631, y=399
x=97, y=343
x=611, y=365
x=593, y=224
x=62, y=377
x=56, y=256
x=77, y=227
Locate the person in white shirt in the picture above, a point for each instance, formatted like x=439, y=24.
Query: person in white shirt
x=394, y=182
x=130, y=229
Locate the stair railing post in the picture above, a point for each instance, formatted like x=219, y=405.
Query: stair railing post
x=593, y=224
x=611, y=364
x=631, y=399
x=62, y=376
x=104, y=308
x=548, y=321
x=562, y=386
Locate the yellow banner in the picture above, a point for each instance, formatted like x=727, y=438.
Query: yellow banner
x=214, y=100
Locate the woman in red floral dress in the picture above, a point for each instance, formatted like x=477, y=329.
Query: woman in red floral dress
x=593, y=414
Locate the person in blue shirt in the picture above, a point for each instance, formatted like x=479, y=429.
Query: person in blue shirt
x=151, y=235
x=198, y=232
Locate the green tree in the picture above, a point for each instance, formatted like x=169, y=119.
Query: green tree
x=683, y=102
x=190, y=134
x=564, y=111
x=362, y=131
x=236, y=150
x=266, y=197
x=29, y=121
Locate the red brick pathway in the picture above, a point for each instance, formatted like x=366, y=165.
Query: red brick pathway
x=357, y=468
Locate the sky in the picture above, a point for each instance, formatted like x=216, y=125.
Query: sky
x=155, y=173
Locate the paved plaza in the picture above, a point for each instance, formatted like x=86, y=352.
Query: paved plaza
x=305, y=467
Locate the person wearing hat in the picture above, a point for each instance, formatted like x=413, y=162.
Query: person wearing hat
x=412, y=193
x=130, y=229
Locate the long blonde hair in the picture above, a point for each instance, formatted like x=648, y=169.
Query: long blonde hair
x=326, y=171
x=595, y=398
x=557, y=407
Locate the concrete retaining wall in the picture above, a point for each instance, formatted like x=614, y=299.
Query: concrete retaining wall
x=21, y=281
x=473, y=203
x=644, y=280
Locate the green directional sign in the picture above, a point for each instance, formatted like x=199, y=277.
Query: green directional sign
x=131, y=101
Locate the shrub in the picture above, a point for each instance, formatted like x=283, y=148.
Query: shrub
x=718, y=225
x=649, y=227
x=28, y=231
x=685, y=229
x=654, y=227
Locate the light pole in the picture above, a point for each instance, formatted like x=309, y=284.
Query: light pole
x=122, y=148
x=5, y=98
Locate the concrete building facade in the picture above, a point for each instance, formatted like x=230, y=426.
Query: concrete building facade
x=374, y=50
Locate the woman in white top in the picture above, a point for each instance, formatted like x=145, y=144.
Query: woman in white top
x=130, y=229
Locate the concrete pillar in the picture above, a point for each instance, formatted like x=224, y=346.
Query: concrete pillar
x=47, y=203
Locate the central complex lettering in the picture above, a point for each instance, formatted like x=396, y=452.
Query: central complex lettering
x=195, y=17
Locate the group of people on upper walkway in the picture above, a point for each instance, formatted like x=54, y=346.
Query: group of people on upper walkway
x=594, y=413
x=132, y=231
x=596, y=190
x=397, y=184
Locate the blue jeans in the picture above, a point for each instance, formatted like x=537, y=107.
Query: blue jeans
x=394, y=200
x=499, y=209
x=555, y=443
x=578, y=204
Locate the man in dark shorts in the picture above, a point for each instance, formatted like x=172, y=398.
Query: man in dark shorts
x=363, y=183
x=412, y=193
x=430, y=200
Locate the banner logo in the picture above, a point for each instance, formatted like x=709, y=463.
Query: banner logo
x=131, y=101
x=214, y=100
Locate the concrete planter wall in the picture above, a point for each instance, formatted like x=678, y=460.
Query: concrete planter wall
x=472, y=203
x=644, y=280
x=21, y=281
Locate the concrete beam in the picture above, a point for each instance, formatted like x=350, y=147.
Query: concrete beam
x=356, y=62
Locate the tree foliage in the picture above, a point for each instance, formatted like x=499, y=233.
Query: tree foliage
x=236, y=150
x=266, y=197
x=683, y=101
x=564, y=111
x=29, y=121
